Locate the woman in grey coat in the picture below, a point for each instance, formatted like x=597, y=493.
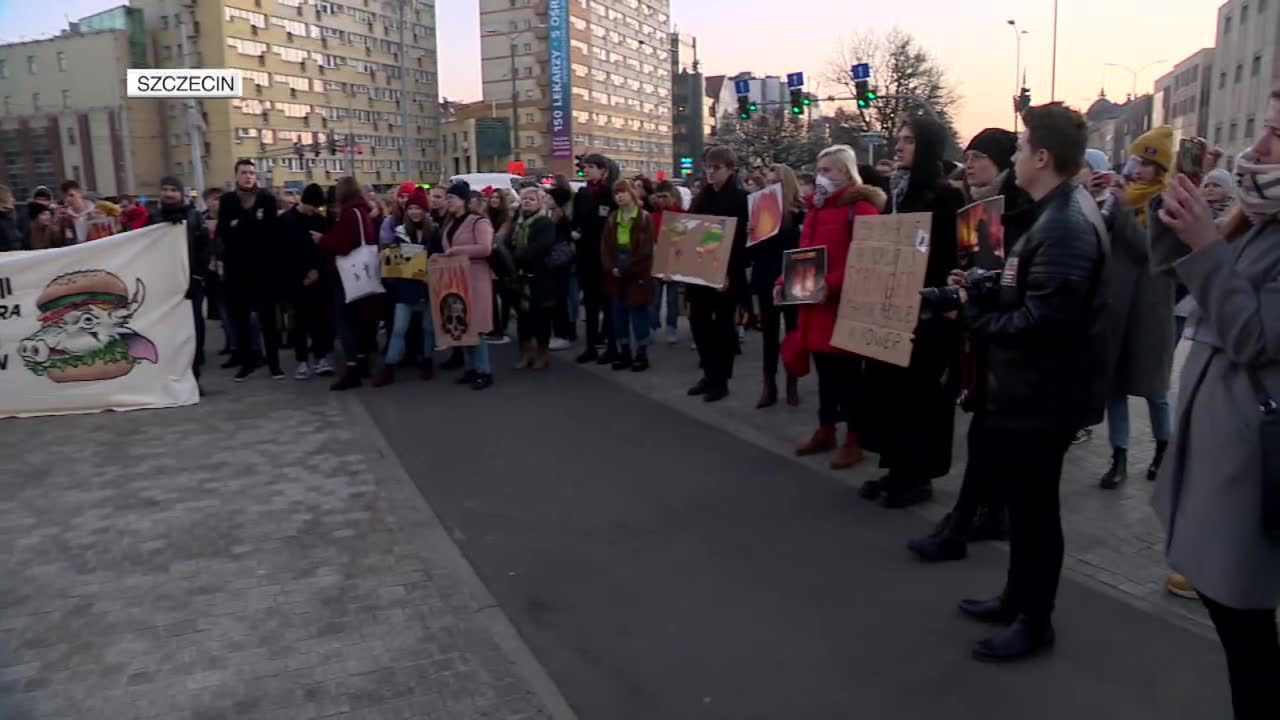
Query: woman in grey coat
x=1210, y=494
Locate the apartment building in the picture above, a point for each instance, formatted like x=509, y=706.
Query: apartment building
x=1246, y=66
x=1182, y=96
x=581, y=76
x=324, y=83
x=65, y=115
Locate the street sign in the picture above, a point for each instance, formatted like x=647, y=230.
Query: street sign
x=861, y=71
x=742, y=87
x=795, y=79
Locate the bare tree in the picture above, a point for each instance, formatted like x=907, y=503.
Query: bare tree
x=769, y=138
x=900, y=67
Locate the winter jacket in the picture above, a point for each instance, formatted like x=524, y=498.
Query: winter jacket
x=728, y=201
x=355, y=225
x=635, y=287
x=75, y=228
x=766, y=255
x=591, y=208
x=1045, y=328
x=531, y=262
x=10, y=238
x=136, y=217
x=197, y=236
x=301, y=252
x=252, y=244
x=472, y=236
x=831, y=226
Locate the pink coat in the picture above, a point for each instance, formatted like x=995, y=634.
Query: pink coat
x=474, y=238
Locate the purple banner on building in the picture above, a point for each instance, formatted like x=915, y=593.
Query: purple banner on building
x=561, y=93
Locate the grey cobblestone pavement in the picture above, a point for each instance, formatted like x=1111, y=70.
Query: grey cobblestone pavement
x=260, y=555
x=1113, y=538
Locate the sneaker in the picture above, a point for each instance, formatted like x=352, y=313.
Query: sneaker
x=1177, y=584
x=497, y=339
x=1083, y=435
x=303, y=372
x=277, y=373
x=558, y=344
x=483, y=381
x=244, y=372
x=673, y=336
x=323, y=367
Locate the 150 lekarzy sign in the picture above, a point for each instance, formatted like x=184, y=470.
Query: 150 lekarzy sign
x=561, y=96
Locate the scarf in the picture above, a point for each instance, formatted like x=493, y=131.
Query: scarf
x=1258, y=188
x=520, y=235
x=900, y=182
x=1138, y=195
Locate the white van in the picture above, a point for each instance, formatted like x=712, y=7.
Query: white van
x=480, y=181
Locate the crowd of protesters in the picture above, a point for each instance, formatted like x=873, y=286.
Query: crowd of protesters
x=1106, y=264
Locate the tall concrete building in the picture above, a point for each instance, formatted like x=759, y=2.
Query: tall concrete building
x=581, y=76
x=1182, y=96
x=317, y=73
x=1246, y=66
x=65, y=116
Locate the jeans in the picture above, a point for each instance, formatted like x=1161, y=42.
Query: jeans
x=400, y=327
x=1118, y=420
x=1249, y=640
x=839, y=380
x=635, y=318
x=575, y=298
x=197, y=307
x=1029, y=473
x=672, y=293
x=478, y=359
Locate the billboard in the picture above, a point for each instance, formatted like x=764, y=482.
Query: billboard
x=561, y=89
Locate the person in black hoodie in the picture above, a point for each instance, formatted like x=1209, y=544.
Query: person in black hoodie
x=980, y=510
x=713, y=313
x=248, y=226
x=172, y=209
x=10, y=237
x=308, y=288
x=766, y=268
x=912, y=409
x=591, y=207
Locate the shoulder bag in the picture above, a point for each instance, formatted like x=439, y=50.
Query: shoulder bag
x=360, y=269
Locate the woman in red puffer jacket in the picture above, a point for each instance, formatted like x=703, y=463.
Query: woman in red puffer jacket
x=840, y=197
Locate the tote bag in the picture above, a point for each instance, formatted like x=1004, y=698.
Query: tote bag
x=360, y=269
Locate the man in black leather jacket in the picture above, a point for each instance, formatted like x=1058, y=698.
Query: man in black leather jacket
x=1045, y=333
x=174, y=209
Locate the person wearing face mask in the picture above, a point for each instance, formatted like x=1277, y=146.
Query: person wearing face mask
x=1218, y=495
x=1141, y=309
x=626, y=255
x=534, y=288
x=840, y=198
x=914, y=407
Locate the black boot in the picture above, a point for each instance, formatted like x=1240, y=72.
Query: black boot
x=994, y=611
x=1118, y=472
x=349, y=380
x=455, y=361
x=642, y=361
x=608, y=357
x=1154, y=470
x=1022, y=639
x=622, y=360
x=898, y=496
x=945, y=543
x=873, y=489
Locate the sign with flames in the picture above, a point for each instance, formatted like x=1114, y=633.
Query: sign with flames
x=450, y=287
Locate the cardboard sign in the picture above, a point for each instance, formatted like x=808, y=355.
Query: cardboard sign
x=697, y=248
x=98, y=326
x=880, y=302
x=804, y=276
x=404, y=262
x=764, y=207
x=980, y=234
x=449, y=283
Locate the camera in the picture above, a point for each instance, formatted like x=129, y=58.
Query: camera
x=978, y=282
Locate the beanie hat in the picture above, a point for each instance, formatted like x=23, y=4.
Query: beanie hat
x=34, y=209
x=1096, y=160
x=1156, y=145
x=1221, y=178
x=419, y=198
x=313, y=195
x=997, y=144
x=460, y=189
x=170, y=181
x=41, y=192
x=406, y=188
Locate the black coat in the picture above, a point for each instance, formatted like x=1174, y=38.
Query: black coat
x=728, y=201
x=766, y=256
x=252, y=245
x=591, y=207
x=198, y=252
x=531, y=263
x=10, y=236
x=1046, y=328
x=301, y=254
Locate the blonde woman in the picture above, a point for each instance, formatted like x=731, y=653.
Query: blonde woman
x=766, y=268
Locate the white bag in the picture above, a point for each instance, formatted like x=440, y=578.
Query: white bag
x=360, y=269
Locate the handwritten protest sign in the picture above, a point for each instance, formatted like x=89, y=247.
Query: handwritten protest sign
x=405, y=262
x=880, y=302
x=697, y=248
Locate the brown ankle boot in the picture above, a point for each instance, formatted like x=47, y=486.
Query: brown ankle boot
x=526, y=356
x=850, y=453
x=822, y=441
x=768, y=395
x=793, y=391
x=542, y=357
x=385, y=376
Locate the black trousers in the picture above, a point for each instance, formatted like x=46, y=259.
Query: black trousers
x=1028, y=473
x=978, y=488
x=595, y=309
x=839, y=382
x=772, y=318
x=1250, y=642
x=713, y=319
x=534, y=324
x=241, y=304
x=312, y=332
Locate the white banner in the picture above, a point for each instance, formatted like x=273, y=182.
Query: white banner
x=99, y=326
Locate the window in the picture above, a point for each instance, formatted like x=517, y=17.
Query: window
x=529, y=117
x=1231, y=134
x=528, y=47
x=75, y=172
x=6, y=104
x=166, y=52
x=1239, y=72
x=35, y=102
x=1244, y=14
x=1248, y=129
x=71, y=136
x=164, y=22
x=66, y=99
x=1222, y=79
x=1256, y=68
x=1217, y=135
x=4, y=68
x=62, y=61
x=1226, y=26
x=31, y=65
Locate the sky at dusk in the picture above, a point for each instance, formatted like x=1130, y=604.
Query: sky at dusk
x=972, y=40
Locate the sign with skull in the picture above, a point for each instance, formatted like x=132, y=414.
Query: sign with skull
x=447, y=281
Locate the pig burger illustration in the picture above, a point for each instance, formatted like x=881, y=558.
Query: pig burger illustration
x=84, y=330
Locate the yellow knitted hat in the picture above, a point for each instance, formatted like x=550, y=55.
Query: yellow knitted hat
x=1156, y=146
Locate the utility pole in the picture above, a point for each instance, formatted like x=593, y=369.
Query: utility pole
x=1053, y=72
x=350, y=148
x=515, y=110
x=193, y=117
x=405, y=149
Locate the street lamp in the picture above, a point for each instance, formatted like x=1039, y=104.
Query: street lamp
x=1017, y=68
x=515, y=93
x=1133, y=74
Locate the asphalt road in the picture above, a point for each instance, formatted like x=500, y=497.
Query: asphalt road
x=661, y=569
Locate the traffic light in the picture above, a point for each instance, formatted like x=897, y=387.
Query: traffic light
x=686, y=165
x=745, y=107
x=577, y=162
x=864, y=93
x=798, y=101
x=333, y=144
x=1022, y=102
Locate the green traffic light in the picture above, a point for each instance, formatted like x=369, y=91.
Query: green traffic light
x=862, y=103
x=752, y=107
x=871, y=95
x=796, y=109
x=806, y=101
